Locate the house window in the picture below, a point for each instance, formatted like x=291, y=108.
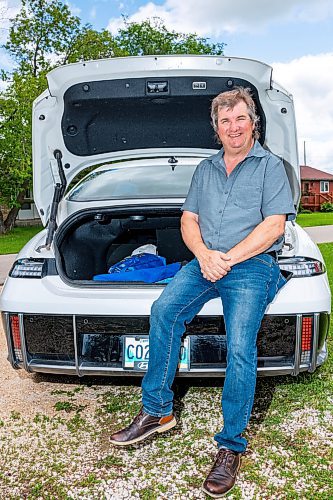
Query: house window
x=28, y=194
x=324, y=186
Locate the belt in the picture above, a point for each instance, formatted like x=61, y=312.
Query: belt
x=273, y=253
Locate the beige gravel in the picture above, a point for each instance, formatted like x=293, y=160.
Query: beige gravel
x=28, y=393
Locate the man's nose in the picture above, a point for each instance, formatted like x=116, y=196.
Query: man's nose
x=233, y=125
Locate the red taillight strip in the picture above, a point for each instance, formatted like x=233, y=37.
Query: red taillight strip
x=15, y=329
x=11, y=356
x=16, y=337
x=307, y=323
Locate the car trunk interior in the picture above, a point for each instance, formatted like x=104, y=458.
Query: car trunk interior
x=92, y=241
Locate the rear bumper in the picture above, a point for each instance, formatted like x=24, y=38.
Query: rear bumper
x=287, y=344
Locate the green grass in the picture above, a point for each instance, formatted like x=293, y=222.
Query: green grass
x=17, y=238
x=315, y=219
x=327, y=252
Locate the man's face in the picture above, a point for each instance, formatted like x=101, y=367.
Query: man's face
x=235, y=128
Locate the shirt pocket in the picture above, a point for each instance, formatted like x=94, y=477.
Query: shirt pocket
x=246, y=196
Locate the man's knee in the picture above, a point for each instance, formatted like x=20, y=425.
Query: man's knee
x=160, y=308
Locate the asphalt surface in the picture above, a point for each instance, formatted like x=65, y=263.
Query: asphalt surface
x=319, y=234
x=6, y=262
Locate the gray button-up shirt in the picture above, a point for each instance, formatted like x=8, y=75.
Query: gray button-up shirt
x=230, y=207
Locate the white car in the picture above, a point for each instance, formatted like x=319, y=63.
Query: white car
x=142, y=124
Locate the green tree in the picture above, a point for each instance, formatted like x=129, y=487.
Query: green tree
x=92, y=44
x=152, y=37
x=40, y=37
x=15, y=144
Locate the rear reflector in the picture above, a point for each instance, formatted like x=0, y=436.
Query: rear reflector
x=15, y=331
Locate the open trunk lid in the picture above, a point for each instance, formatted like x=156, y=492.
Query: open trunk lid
x=134, y=107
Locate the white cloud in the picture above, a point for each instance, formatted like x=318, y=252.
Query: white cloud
x=92, y=13
x=8, y=10
x=6, y=62
x=215, y=17
x=308, y=79
x=76, y=11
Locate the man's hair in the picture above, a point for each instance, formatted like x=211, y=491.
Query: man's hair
x=229, y=100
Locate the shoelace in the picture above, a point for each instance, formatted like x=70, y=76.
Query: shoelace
x=223, y=457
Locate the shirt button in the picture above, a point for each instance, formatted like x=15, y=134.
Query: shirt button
x=216, y=232
x=220, y=211
x=226, y=192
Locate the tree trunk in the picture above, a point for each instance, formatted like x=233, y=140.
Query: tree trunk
x=11, y=218
x=2, y=223
x=9, y=222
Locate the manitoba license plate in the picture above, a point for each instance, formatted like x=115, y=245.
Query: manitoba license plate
x=136, y=353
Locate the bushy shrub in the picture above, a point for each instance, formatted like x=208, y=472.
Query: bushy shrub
x=305, y=211
x=302, y=210
x=326, y=207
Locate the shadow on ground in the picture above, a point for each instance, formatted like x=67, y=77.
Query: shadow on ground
x=265, y=390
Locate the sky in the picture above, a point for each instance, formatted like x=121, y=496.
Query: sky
x=294, y=36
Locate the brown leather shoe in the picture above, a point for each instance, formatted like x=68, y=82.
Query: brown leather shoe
x=222, y=477
x=142, y=426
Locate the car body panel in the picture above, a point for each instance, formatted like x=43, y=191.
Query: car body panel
x=52, y=294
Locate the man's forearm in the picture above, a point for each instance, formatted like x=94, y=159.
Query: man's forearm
x=259, y=240
x=213, y=264
x=192, y=236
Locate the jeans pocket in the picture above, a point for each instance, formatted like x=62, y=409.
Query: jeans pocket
x=264, y=259
x=284, y=277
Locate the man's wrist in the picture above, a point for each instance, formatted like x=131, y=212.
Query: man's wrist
x=232, y=260
x=199, y=250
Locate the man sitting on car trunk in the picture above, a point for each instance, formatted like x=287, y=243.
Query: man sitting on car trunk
x=233, y=222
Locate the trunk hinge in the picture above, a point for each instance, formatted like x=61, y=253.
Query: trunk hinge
x=59, y=190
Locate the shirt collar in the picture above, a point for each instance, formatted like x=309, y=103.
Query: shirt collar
x=257, y=150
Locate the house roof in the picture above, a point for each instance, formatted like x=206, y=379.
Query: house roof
x=309, y=173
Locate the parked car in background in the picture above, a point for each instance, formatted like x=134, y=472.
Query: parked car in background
x=140, y=125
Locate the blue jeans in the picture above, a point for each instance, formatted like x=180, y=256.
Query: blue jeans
x=245, y=293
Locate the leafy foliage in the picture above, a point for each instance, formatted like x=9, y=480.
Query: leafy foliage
x=92, y=44
x=39, y=38
x=326, y=207
x=152, y=37
x=43, y=31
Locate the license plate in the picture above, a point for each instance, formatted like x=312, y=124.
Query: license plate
x=136, y=353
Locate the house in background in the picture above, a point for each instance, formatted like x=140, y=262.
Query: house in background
x=317, y=188
x=28, y=214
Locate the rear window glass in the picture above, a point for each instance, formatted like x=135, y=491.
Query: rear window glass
x=134, y=182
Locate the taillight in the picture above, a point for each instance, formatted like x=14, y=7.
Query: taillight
x=15, y=332
x=306, y=344
x=27, y=268
x=302, y=267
